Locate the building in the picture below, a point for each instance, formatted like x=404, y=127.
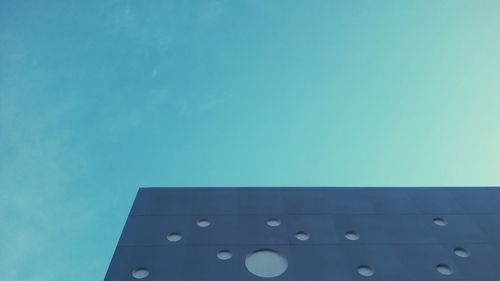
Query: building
x=310, y=233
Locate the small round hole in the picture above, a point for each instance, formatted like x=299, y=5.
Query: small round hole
x=461, y=252
x=224, y=254
x=303, y=236
x=273, y=222
x=444, y=269
x=174, y=236
x=440, y=222
x=351, y=235
x=266, y=263
x=140, y=273
x=365, y=270
x=203, y=223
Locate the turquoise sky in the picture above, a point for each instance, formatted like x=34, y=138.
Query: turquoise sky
x=98, y=98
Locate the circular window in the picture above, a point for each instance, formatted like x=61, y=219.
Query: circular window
x=444, y=269
x=174, y=237
x=203, y=223
x=266, y=263
x=461, y=252
x=303, y=236
x=365, y=270
x=273, y=222
x=440, y=221
x=351, y=235
x=140, y=273
x=224, y=254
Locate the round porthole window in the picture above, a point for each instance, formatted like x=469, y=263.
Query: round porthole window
x=440, y=222
x=273, y=222
x=224, y=254
x=351, y=235
x=174, y=237
x=461, y=252
x=365, y=270
x=303, y=236
x=140, y=273
x=203, y=223
x=266, y=263
x=444, y=269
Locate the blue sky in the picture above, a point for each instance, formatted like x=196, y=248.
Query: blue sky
x=98, y=98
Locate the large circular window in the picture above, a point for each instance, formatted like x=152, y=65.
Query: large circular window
x=266, y=263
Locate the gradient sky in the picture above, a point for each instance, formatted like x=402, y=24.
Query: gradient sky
x=98, y=98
